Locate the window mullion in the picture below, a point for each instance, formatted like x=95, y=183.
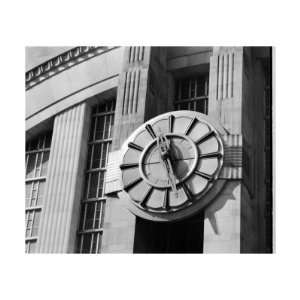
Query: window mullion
x=95, y=214
x=84, y=216
x=41, y=164
x=26, y=164
x=95, y=129
x=91, y=244
x=104, y=127
x=32, y=221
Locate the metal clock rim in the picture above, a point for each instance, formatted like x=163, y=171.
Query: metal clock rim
x=206, y=196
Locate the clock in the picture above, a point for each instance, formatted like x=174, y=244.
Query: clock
x=170, y=164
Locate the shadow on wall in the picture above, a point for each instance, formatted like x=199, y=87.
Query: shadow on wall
x=230, y=192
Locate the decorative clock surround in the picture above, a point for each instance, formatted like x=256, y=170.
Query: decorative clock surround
x=171, y=165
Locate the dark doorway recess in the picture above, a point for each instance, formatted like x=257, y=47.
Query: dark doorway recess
x=177, y=237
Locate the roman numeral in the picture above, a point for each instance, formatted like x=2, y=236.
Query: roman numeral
x=146, y=197
x=135, y=146
x=205, y=137
x=204, y=175
x=209, y=155
x=171, y=123
x=191, y=125
x=127, y=166
x=187, y=191
x=166, y=203
x=150, y=131
x=132, y=184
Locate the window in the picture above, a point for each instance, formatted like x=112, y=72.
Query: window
x=36, y=160
x=192, y=94
x=93, y=203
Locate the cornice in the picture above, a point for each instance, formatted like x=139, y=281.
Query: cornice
x=61, y=63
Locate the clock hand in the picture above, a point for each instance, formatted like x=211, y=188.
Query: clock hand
x=171, y=175
x=164, y=148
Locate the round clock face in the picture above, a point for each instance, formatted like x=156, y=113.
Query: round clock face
x=171, y=162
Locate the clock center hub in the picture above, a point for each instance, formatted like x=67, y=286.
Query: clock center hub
x=172, y=157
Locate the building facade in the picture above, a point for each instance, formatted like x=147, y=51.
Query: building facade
x=83, y=104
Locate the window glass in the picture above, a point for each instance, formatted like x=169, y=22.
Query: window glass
x=93, y=184
x=45, y=163
x=30, y=165
x=93, y=203
x=192, y=94
x=37, y=156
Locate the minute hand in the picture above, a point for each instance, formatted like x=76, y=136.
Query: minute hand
x=164, y=148
x=171, y=175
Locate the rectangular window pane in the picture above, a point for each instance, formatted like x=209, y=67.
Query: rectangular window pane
x=99, y=216
x=112, y=119
x=34, y=194
x=100, y=128
x=94, y=243
x=40, y=193
x=48, y=140
x=185, y=89
x=193, y=86
x=96, y=156
x=86, y=243
x=45, y=163
x=101, y=183
x=93, y=185
x=36, y=221
x=29, y=222
x=92, y=130
x=107, y=126
x=28, y=188
x=31, y=165
x=184, y=106
x=32, y=222
x=34, y=144
x=38, y=165
x=41, y=142
x=200, y=87
x=201, y=106
x=89, y=158
x=104, y=155
x=89, y=218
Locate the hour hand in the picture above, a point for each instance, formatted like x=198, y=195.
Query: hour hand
x=164, y=148
x=171, y=175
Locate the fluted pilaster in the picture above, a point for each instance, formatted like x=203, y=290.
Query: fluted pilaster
x=225, y=87
x=64, y=181
x=223, y=216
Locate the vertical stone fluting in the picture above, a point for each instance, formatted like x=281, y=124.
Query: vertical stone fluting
x=225, y=87
x=64, y=182
x=222, y=225
x=131, y=93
